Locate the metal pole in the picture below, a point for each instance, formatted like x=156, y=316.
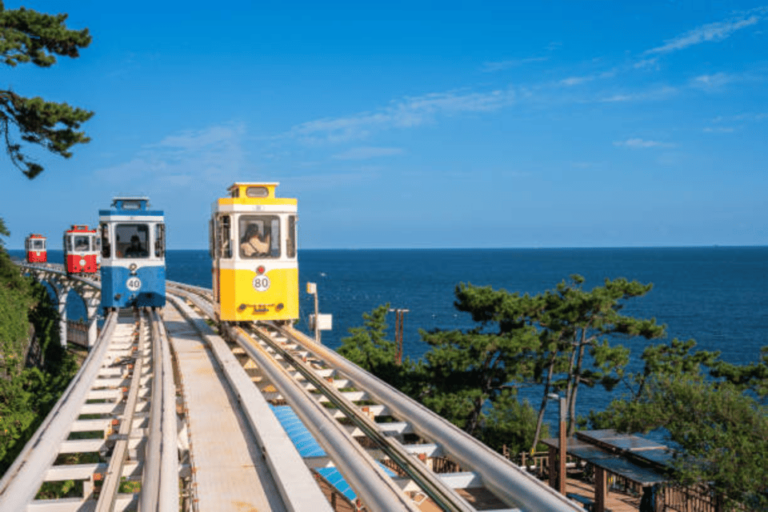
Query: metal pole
x=317, y=318
x=563, y=446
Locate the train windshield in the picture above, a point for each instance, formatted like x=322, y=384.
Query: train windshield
x=132, y=240
x=37, y=245
x=82, y=243
x=259, y=236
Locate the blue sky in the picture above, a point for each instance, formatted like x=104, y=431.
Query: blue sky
x=416, y=124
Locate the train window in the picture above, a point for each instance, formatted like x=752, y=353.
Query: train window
x=132, y=240
x=159, y=240
x=82, y=243
x=257, y=192
x=259, y=236
x=106, y=248
x=38, y=245
x=224, y=237
x=291, y=240
x=68, y=243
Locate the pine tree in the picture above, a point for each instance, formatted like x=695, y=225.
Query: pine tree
x=29, y=36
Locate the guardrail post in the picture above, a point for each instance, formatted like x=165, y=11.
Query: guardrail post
x=93, y=326
x=61, y=296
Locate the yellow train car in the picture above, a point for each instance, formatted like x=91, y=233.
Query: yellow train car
x=253, y=250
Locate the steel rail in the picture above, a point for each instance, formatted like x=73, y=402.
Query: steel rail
x=109, y=490
x=503, y=478
x=23, y=479
x=160, y=479
x=169, y=461
x=150, y=482
x=297, y=486
x=507, y=481
x=432, y=485
x=361, y=471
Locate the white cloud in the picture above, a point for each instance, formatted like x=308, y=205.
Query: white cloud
x=405, y=113
x=712, y=82
x=212, y=155
x=645, y=63
x=365, y=153
x=638, y=143
x=577, y=80
x=491, y=67
x=653, y=94
x=711, y=32
x=719, y=129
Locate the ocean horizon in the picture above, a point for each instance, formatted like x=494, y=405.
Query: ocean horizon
x=716, y=295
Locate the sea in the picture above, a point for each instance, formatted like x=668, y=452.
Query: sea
x=717, y=296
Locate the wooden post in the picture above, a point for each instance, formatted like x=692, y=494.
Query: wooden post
x=563, y=448
x=553, y=467
x=601, y=489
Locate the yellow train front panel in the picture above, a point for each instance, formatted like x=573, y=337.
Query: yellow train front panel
x=251, y=295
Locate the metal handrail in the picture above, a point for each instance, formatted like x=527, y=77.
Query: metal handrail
x=23, y=479
x=505, y=479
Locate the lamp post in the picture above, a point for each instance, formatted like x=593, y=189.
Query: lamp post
x=318, y=322
x=562, y=443
x=312, y=290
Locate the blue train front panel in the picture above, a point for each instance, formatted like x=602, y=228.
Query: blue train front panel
x=133, y=255
x=122, y=288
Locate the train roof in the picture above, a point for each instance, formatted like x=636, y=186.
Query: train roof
x=35, y=235
x=80, y=228
x=131, y=206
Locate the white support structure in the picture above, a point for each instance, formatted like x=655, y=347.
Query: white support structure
x=62, y=283
x=61, y=295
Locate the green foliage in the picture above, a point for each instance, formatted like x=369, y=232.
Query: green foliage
x=27, y=36
x=752, y=377
x=722, y=433
x=510, y=423
x=469, y=371
x=488, y=413
x=675, y=359
x=368, y=348
x=27, y=394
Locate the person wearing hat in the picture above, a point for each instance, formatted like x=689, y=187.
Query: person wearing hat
x=252, y=244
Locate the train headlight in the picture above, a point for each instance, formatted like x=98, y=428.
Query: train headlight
x=133, y=267
x=260, y=269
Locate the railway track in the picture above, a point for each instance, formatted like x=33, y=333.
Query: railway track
x=91, y=453
x=395, y=453
x=171, y=414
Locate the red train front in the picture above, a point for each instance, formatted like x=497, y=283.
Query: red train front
x=35, y=245
x=82, y=248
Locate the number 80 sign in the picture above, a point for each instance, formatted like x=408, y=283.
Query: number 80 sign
x=261, y=283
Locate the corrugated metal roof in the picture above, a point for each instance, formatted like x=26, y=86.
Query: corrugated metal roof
x=309, y=447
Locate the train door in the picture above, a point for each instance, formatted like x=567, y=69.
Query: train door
x=221, y=247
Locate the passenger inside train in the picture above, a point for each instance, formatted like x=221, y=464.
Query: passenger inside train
x=252, y=244
x=136, y=249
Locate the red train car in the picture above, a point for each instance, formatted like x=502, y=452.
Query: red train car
x=82, y=250
x=35, y=245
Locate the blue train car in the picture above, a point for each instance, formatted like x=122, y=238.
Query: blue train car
x=132, y=254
